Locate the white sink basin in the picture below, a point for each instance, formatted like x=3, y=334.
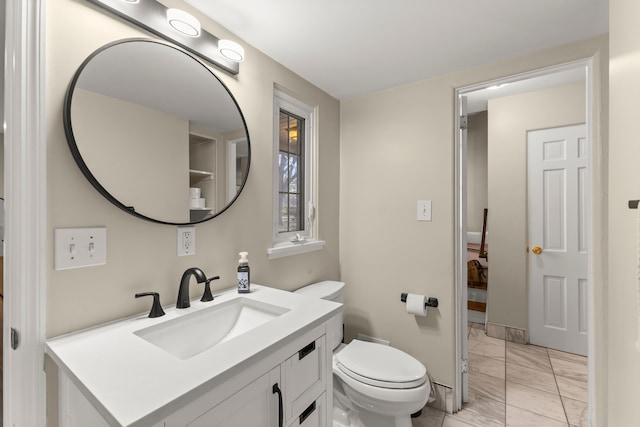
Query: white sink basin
x=193, y=333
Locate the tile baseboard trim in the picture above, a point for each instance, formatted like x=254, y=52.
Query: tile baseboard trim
x=506, y=333
x=443, y=399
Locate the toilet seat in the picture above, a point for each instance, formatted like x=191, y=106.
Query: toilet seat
x=380, y=365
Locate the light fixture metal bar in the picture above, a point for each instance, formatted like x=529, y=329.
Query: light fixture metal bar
x=151, y=15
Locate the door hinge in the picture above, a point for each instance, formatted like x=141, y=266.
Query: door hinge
x=15, y=338
x=464, y=366
x=463, y=122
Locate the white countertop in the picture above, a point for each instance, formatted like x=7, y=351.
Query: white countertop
x=132, y=382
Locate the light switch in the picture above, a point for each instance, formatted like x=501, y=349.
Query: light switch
x=424, y=210
x=80, y=247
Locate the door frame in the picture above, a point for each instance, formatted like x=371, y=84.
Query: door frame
x=25, y=163
x=595, y=160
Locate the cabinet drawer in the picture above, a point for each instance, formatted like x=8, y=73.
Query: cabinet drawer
x=304, y=376
x=313, y=415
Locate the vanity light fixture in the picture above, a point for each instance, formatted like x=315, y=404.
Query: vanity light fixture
x=176, y=26
x=183, y=22
x=231, y=50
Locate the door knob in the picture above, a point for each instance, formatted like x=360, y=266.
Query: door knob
x=536, y=250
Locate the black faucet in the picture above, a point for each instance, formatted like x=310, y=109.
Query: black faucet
x=206, y=295
x=156, y=308
x=183, y=292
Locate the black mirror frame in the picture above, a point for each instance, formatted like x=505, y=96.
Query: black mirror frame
x=71, y=141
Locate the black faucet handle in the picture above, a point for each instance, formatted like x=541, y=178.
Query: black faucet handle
x=207, y=296
x=156, y=308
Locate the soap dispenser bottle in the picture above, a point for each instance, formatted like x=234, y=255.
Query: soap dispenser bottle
x=243, y=274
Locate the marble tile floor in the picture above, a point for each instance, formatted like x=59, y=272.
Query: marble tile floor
x=515, y=385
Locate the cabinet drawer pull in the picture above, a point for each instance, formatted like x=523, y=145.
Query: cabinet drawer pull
x=306, y=350
x=275, y=390
x=305, y=414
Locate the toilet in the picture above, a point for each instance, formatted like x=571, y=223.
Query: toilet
x=374, y=385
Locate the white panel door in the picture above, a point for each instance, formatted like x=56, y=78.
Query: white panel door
x=557, y=208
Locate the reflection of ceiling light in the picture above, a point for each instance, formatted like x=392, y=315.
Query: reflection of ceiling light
x=183, y=22
x=497, y=86
x=131, y=1
x=231, y=50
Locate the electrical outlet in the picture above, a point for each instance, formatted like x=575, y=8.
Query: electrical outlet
x=186, y=241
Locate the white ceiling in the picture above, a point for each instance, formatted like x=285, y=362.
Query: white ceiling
x=354, y=47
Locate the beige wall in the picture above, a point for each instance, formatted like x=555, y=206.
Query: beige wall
x=141, y=256
x=477, y=191
x=397, y=146
x=624, y=184
x=509, y=120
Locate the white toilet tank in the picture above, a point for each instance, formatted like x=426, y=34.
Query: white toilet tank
x=333, y=291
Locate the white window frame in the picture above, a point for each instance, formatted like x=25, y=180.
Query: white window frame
x=295, y=242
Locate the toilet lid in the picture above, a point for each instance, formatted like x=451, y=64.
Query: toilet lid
x=380, y=365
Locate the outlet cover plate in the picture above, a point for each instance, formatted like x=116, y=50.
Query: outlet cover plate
x=79, y=247
x=186, y=241
x=424, y=210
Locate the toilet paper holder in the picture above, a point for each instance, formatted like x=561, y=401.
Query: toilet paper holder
x=431, y=301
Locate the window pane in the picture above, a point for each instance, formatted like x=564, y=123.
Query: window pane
x=284, y=131
x=283, y=217
x=295, y=126
x=283, y=172
x=293, y=174
x=293, y=213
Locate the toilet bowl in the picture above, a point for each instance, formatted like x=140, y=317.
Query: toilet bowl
x=374, y=385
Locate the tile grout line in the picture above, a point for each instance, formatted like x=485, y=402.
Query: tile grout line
x=555, y=380
x=505, y=382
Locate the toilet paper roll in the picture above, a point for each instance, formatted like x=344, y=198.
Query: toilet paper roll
x=198, y=203
x=194, y=193
x=416, y=304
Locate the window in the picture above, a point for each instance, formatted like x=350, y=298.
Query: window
x=291, y=155
x=294, y=205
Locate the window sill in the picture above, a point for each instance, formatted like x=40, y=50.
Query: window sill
x=289, y=248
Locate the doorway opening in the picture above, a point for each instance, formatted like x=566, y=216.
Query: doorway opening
x=501, y=310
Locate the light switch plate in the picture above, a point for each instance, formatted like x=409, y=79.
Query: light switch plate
x=424, y=210
x=79, y=247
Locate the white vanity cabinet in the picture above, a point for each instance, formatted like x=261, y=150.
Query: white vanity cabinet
x=252, y=406
x=117, y=375
x=293, y=393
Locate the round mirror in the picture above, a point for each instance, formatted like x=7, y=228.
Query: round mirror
x=156, y=132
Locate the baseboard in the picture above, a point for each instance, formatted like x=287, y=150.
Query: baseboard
x=474, y=237
x=506, y=333
x=443, y=399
